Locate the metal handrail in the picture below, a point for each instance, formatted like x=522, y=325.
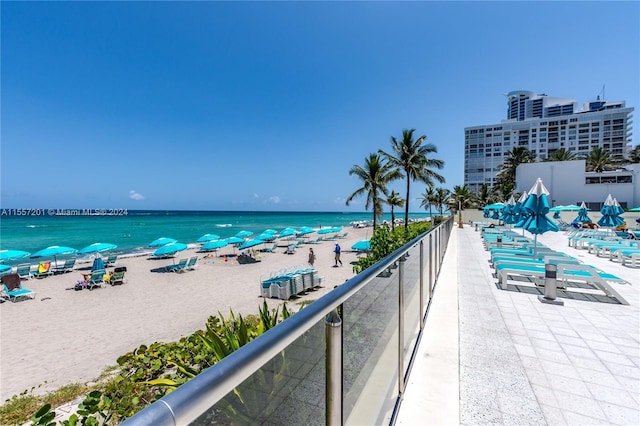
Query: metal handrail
x=189, y=401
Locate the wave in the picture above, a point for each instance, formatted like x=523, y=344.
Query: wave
x=36, y=226
x=223, y=225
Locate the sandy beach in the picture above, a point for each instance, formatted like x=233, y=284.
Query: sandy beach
x=66, y=336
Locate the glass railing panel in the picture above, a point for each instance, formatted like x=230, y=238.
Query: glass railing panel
x=370, y=351
x=289, y=389
x=411, y=301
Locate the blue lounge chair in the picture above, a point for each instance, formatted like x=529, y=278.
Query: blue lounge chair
x=117, y=278
x=271, y=249
x=178, y=267
x=111, y=260
x=24, y=271
x=192, y=263
x=13, y=288
x=67, y=267
x=97, y=279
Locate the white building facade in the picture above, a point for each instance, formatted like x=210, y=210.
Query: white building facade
x=544, y=124
x=568, y=183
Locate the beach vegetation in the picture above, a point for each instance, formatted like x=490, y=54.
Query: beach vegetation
x=376, y=174
x=512, y=159
x=385, y=241
x=427, y=199
x=412, y=157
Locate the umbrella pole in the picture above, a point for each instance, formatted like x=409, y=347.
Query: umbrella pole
x=535, y=245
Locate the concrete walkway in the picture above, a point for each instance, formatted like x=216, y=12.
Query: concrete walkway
x=491, y=356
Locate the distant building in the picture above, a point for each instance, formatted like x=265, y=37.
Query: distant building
x=568, y=183
x=544, y=124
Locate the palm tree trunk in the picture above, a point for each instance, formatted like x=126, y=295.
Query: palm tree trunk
x=393, y=219
x=406, y=205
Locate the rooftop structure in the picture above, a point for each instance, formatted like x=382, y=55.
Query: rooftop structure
x=545, y=124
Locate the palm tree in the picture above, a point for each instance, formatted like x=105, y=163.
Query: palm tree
x=634, y=155
x=426, y=199
x=512, y=160
x=461, y=197
x=375, y=175
x=561, y=155
x=598, y=160
x=486, y=195
x=412, y=157
x=440, y=199
x=394, y=200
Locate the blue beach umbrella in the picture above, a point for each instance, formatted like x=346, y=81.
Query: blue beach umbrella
x=13, y=254
x=583, y=217
x=98, y=264
x=169, y=249
x=214, y=245
x=234, y=240
x=268, y=237
x=208, y=237
x=251, y=243
x=508, y=214
x=518, y=211
x=537, y=207
x=162, y=241
x=54, y=251
x=97, y=248
x=362, y=245
x=286, y=232
x=244, y=234
x=305, y=230
x=610, y=218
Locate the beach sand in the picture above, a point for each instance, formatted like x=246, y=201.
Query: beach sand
x=66, y=336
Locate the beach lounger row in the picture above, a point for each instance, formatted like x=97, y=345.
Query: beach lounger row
x=184, y=265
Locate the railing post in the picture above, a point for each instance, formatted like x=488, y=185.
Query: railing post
x=430, y=266
x=421, y=312
x=401, y=327
x=333, y=394
x=550, y=285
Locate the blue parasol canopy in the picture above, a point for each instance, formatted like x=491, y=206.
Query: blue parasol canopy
x=208, y=237
x=287, y=232
x=53, y=251
x=98, y=264
x=537, y=207
x=583, y=217
x=610, y=218
x=251, y=243
x=518, y=211
x=169, y=249
x=362, y=245
x=214, y=245
x=161, y=241
x=234, y=240
x=13, y=254
x=97, y=248
x=244, y=234
x=508, y=214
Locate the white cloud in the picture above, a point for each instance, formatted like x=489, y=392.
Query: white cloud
x=255, y=195
x=274, y=199
x=135, y=195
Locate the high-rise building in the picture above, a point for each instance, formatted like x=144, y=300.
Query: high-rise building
x=544, y=124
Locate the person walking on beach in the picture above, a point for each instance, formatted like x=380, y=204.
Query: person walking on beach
x=337, y=252
x=312, y=257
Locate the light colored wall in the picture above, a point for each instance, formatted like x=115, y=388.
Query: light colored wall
x=565, y=181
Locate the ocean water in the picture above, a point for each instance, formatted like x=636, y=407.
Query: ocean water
x=133, y=231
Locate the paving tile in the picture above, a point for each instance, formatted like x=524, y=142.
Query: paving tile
x=603, y=346
x=614, y=396
x=550, y=345
x=545, y=395
x=598, y=377
x=621, y=415
x=552, y=415
x=573, y=403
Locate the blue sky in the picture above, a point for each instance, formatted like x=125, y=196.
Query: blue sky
x=267, y=105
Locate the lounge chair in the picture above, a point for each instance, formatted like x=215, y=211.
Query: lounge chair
x=24, y=271
x=13, y=288
x=111, y=260
x=626, y=256
x=44, y=270
x=178, y=267
x=97, y=279
x=67, y=267
x=291, y=249
x=117, y=278
x=192, y=263
x=341, y=236
x=271, y=249
x=565, y=272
